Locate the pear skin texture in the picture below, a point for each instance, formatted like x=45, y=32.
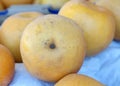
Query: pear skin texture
x=7, y=66
x=114, y=7
x=56, y=4
x=98, y=24
x=16, y=2
x=1, y=6
x=78, y=80
x=11, y=31
x=52, y=46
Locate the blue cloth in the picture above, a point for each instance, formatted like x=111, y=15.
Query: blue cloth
x=104, y=67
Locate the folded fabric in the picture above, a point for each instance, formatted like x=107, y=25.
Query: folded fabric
x=103, y=67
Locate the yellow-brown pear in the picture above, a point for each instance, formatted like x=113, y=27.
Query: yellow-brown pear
x=16, y=2
x=56, y=4
x=7, y=66
x=12, y=29
x=114, y=7
x=1, y=6
x=51, y=47
x=97, y=23
x=78, y=80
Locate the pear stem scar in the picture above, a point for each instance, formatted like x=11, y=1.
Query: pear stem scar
x=52, y=46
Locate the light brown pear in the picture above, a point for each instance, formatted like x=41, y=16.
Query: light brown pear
x=97, y=23
x=7, y=66
x=12, y=29
x=78, y=80
x=52, y=46
x=114, y=7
